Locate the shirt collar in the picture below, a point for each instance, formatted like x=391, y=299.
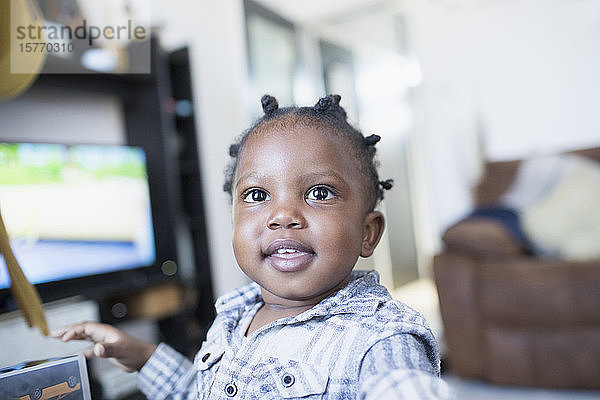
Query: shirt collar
x=362, y=295
x=239, y=298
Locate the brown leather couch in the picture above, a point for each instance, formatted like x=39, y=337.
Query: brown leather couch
x=510, y=317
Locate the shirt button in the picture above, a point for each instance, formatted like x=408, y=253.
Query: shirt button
x=288, y=380
x=231, y=389
x=205, y=357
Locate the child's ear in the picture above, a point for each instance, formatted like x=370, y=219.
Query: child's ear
x=373, y=229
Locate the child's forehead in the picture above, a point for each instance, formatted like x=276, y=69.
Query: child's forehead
x=295, y=127
x=302, y=134
x=292, y=121
x=284, y=139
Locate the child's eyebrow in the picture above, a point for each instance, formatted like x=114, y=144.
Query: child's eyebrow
x=308, y=178
x=249, y=175
x=325, y=174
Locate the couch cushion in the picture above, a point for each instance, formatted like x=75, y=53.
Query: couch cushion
x=482, y=237
x=565, y=222
x=536, y=177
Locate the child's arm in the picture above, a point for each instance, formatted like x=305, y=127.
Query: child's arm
x=109, y=342
x=402, y=366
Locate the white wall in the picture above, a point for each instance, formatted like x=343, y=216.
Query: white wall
x=214, y=32
x=513, y=78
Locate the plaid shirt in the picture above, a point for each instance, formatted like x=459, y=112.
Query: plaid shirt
x=356, y=344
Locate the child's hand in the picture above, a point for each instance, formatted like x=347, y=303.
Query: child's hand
x=109, y=342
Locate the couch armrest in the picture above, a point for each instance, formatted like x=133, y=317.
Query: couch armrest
x=457, y=283
x=482, y=238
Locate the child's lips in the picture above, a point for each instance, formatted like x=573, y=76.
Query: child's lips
x=288, y=255
x=282, y=246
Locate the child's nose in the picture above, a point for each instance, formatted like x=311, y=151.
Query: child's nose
x=286, y=216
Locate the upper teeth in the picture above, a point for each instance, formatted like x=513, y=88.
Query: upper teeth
x=283, y=251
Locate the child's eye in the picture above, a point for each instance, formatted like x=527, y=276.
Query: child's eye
x=255, y=196
x=319, y=193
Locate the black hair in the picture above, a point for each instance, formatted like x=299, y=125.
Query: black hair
x=326, y=112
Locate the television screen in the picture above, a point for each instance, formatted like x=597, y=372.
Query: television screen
x=75, y=211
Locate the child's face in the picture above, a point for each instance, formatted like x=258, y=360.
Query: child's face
x=299, y=213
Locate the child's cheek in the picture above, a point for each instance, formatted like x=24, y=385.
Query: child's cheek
x=246, y=232
x=342, y=238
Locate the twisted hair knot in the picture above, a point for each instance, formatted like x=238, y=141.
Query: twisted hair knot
x=269, y=104
x=371, y=140
x=327, y=103
x=234, y=150
x=387, y=184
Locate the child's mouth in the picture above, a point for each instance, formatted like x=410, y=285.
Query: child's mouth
x=288, y=255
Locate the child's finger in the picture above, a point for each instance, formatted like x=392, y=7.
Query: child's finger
x=88, y=352
x=96, y=350
x=80, y=331
x=71, y=332
x=57, y=333
x=100, y=350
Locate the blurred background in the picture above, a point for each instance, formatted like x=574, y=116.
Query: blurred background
x=449, y=85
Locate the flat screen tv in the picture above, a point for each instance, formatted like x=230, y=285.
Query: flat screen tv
x=79, y=217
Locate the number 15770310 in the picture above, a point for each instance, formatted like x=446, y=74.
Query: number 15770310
x=42, y=47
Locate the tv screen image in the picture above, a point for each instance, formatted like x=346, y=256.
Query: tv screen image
x=74, y=211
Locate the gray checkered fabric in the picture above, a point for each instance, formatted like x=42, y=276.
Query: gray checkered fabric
x=358, y=343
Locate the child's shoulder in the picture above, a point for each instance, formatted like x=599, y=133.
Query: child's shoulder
x=380, y=308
